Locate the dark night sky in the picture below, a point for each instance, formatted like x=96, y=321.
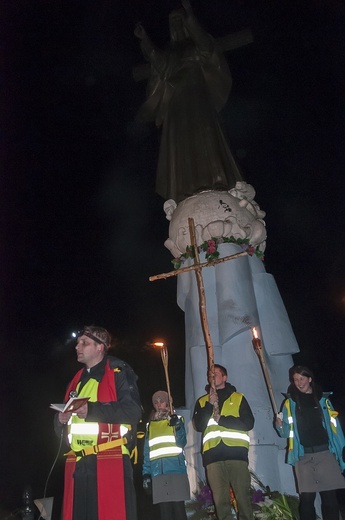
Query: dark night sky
x=82, y=229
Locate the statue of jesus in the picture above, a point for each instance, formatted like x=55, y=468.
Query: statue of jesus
x=188, y=85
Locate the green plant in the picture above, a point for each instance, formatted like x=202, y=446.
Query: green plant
x=272, y=505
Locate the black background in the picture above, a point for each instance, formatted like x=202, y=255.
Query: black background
x=82, y=229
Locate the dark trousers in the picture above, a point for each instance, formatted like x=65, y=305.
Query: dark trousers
x=172, y=511
x=329, y=505
x=220, y=476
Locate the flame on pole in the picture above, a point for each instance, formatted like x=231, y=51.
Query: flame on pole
x=165, y=360
x=258, y=349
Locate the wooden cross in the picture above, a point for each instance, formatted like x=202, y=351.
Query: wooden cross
x=224, y=44
x=197, y=267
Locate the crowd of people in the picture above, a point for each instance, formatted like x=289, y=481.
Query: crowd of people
x=102, y=436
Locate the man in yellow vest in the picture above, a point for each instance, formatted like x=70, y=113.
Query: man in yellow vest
x=98, y=472
x=225, y=443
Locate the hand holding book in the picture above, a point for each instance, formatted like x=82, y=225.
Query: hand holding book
x=73, y=404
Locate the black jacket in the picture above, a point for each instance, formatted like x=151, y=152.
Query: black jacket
x=244, y=422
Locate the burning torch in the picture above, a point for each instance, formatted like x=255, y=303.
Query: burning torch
x=258, y=349
x=165, y=359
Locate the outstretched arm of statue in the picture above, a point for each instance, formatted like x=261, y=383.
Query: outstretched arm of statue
x=152, y=53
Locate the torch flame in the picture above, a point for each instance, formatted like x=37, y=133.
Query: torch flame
x=158, y=344
x=255, y=333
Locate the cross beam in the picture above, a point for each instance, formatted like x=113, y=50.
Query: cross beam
x=195, y=266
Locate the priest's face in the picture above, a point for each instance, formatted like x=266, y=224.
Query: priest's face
x=88, y=351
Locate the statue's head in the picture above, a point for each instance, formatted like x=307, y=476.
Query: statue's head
x=178, y=31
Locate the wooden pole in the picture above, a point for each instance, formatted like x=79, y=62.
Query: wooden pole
x=258, y=349
x=165, y=357
x=203, y=313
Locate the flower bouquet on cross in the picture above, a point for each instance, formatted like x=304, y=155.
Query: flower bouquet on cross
x=210, y=248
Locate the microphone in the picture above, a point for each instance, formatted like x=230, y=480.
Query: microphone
x=73, y=393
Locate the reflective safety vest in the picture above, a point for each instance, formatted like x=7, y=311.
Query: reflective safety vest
x=332, y=421
x=83, y=434
x=214, y=433
x=291, y=424
x=332, y=417
x=162, y=441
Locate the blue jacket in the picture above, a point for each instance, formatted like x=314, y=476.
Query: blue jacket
x=165, y=465
x=336, y=439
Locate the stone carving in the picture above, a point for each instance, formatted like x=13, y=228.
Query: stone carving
x=216, y=214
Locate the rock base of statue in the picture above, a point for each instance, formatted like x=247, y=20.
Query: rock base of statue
x=240, y=294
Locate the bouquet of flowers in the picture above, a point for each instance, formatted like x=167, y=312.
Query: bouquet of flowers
x=267, y=504
x=272, y=505
x=202, y=507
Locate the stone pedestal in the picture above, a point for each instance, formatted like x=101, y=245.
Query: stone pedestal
x=240, y=294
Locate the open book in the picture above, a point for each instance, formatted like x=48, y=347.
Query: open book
x=73, y=404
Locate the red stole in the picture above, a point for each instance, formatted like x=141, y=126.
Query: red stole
x=110, y=477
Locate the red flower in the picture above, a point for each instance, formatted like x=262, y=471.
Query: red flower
x=211, y=247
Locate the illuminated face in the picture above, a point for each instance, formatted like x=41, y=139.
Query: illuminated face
x=88, y=351
x=160, y=406
x=303, y=383
x=219, y=378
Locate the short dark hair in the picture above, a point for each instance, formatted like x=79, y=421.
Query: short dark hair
x=222, y=369
x=98, y=334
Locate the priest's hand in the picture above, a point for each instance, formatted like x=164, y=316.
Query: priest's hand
x=64, y=417
x=82, y=411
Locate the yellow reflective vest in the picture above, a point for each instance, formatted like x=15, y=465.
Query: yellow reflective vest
x=162, y=440
x=214, y=433
x=82, y=434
